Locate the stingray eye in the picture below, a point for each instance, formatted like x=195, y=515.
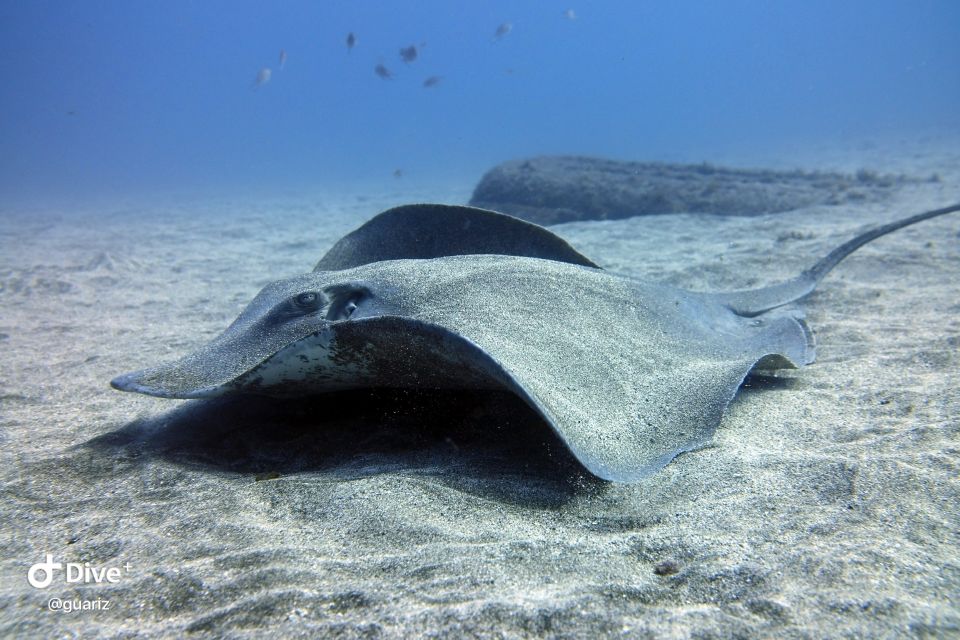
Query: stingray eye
x=309, y=300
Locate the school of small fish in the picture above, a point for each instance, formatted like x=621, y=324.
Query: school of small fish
x=408, y=54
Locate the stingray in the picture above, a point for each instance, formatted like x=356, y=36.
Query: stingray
x=628, y=373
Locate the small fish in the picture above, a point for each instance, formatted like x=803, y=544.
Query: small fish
x=283, y=58
x=503, y=30
x=263, y=77
x=408, y=54
x=351, y=41
x=432, y=81
x=382, y=71
x=570, y=14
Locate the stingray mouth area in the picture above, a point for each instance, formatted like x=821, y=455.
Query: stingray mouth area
x=377, y=352
x=313, y=364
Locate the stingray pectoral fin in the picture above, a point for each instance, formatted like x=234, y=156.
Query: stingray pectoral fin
x=677, y=413
x=635, y=439
x=211, y=370
x=205, y=373
x=139, y=382
x=160, y=382
x=625, y=409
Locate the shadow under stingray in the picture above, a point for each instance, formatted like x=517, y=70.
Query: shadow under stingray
x=488, y=443
x=764, y=382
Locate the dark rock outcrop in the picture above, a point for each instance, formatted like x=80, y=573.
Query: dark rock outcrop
x=555, y=189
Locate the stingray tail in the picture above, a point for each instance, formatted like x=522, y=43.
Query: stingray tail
x=755, y=301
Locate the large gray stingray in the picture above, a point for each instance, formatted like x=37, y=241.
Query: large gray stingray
x=629, y=374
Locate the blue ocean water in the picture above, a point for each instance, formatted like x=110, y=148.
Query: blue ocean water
x=112, y=97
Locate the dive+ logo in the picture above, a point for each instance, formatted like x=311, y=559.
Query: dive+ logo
x=40, y=575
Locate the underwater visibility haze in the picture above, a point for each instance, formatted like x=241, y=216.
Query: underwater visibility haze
x=106, y=98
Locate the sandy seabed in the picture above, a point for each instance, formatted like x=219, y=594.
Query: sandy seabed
x=828, y=506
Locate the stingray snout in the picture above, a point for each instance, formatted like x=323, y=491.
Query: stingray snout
x=137, y=382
